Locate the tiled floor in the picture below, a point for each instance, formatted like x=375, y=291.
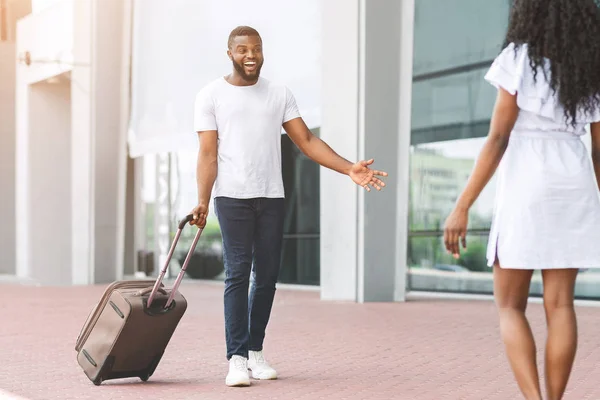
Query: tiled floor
x=426, y=349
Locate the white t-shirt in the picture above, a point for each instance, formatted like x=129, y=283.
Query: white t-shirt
x=248, y=120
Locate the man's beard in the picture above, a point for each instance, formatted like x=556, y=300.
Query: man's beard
x=240, y=69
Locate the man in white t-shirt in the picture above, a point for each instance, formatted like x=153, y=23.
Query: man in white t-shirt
x=238, y=119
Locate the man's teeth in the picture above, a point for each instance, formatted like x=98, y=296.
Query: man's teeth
x=250, y=63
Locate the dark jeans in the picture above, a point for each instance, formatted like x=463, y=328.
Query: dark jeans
x=252, y=231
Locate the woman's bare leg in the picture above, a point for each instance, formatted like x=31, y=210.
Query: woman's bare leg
x=561, y=346
x=511, y=291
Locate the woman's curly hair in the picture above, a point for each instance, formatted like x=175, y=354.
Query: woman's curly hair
x=567, y=32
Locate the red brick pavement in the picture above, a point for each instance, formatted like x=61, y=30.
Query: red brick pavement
x=323, y=350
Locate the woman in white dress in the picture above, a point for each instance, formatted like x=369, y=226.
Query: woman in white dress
x=547, y=211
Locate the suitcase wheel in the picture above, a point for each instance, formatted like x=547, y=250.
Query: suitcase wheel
x=97, y=381
x=145, y=377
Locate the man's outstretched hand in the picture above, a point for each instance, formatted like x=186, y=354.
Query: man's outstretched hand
x=366, y=177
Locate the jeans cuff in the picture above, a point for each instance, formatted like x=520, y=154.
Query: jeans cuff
x=237, y=354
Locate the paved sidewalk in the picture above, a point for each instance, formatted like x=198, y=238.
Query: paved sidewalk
x=426, y=349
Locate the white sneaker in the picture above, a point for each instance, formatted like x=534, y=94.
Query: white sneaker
x=238, y=372
x=259, y=367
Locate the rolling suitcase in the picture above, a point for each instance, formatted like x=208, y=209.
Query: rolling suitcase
x=126, y=333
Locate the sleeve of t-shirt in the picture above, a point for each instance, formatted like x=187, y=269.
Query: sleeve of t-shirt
x=507, y=69
x=291, y=108
x=204, y=112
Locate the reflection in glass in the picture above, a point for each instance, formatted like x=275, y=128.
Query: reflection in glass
x=148, y=196
x=207, y=262
x=429, y=253
x=455, y=43
x=438, y=174
x=300, y=258
x=451, y=106
x=300, y=261
x=450, y=34
x=432, y=269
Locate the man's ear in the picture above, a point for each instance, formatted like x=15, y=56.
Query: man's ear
x=229, y=55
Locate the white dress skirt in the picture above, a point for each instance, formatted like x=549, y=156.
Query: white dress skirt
x=547, y=210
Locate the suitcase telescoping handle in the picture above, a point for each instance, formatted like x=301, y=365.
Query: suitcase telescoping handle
x=161, y=276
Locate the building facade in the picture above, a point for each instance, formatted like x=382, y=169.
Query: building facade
x=104, y=160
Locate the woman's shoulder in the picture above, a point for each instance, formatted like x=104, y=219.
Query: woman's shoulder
x=512, y=71
x=513, y=49
x=508, y=68
x=514, y=56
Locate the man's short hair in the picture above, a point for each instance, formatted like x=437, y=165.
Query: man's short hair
x=242, y=31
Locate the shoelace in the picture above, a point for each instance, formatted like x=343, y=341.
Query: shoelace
x=240, y=364
x=260, y=358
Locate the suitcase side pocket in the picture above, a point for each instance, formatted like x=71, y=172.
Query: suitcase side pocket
x=95, y=313
x=94, y=352
x=83, y=328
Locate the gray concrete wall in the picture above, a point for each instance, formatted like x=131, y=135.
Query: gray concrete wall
x=16, y=9
x=129, y=256
x=367, y=64
x=7, y=157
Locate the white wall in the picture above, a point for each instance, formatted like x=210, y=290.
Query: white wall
x=41, y=5
x=86, y=39
x=109, y=147
x=340, y=105
x=49, y=181
x=48, y=37
x=82, y=91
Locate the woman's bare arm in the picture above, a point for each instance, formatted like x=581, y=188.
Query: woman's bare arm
x=503, y=120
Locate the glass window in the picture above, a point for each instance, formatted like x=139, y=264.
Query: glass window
x=301, y=245
x=455, y=43
x=301, y=251
x=207, y=261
